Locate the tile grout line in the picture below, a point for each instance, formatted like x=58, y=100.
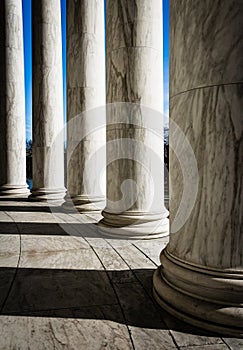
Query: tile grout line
x=111, y=283
x=17, y=266
x=151, y=299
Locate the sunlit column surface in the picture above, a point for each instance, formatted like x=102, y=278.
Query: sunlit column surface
x=85, y=104
x=135, y=189
x=48, y=147
x=201, y=276
x=12, y=100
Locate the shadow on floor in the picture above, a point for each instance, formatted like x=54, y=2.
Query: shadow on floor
x=86, y=294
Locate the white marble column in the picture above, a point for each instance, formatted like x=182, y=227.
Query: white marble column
x=85, y=94
x=135, y=194
x=48, y=146
x=201, y=276
x=12, y=100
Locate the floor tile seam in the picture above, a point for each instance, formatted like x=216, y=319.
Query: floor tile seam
x=111, y=283
x=134, y=245
x=16, y=269
x=33, y=313
x=153, y=301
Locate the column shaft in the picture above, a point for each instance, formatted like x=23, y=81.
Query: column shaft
x=48, y=146
x=135, y=194
x=201, y=276
x=85, y=93
x=12, y=100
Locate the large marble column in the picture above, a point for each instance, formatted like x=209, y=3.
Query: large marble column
x=201, y=276
x=85, y=94
x=48, y=146
x=135, y=194
x=12, y=100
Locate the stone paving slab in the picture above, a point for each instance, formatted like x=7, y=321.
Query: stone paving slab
x=63, y=286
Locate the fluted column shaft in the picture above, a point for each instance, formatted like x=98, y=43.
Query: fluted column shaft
x=12, y=100
x=135, y=204
x=201, y=276
x=48, y=147
x=85, y=93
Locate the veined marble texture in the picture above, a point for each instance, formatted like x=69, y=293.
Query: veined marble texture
x=134, y=24
x=200, y=279
x=12, y=100
x=134, y=155
x=48, y=146
x=207, y=43
x=85, y=91
x=212, y=236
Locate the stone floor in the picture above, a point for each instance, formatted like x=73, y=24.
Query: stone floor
x=64, y=287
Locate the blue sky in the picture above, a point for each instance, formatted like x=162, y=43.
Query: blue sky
x=28, y=68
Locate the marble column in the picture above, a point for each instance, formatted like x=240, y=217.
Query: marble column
x=200, y=279
x=85, y=103
x=135, y=194
x=12, y=100
x=48, y=146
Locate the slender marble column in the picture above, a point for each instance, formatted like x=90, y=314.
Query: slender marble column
x=201, y=276
x=48, y=146
x=85, y=92
x=12, y=100
x=135, y=194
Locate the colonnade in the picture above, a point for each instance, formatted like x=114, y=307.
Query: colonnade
x=200, y=279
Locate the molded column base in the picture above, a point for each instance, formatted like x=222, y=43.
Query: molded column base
x=14, y=190
x=208, y=298
x=134, y=225
x=84, y=203
x=48, y=195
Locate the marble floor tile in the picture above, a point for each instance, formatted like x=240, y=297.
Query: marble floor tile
x=83, y=259
x=186, y=335
x=134, y=257
x=8, y=227
x=31, y=244
x=6, y=277
x=9, y=250
x=5, y=217
x=46, y=289
x=152, y=248
x=32, y=216
x=42, y=333
x=234, y=343
x=142, y=318
x=206, y=347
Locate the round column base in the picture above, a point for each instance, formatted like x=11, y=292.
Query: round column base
x=134, y=225
x=206, y=298
x=84, y=203
x=48, y=195
x=14, y=191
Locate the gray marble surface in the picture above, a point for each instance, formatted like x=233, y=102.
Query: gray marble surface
x=200, y=279
x=12, y=100
x=85, y=91
x=48, y=146
x=64, y=294
x=135, y=205
x=214, y=129
x=207, y=42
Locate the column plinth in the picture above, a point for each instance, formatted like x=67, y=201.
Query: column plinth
x=200, y=279
x=12, y=101
x=205, y=297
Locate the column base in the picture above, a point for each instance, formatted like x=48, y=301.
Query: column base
x=84, y=203
x=14, y=190
x=204, y=297
x=48, y=195
x=134, y=225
